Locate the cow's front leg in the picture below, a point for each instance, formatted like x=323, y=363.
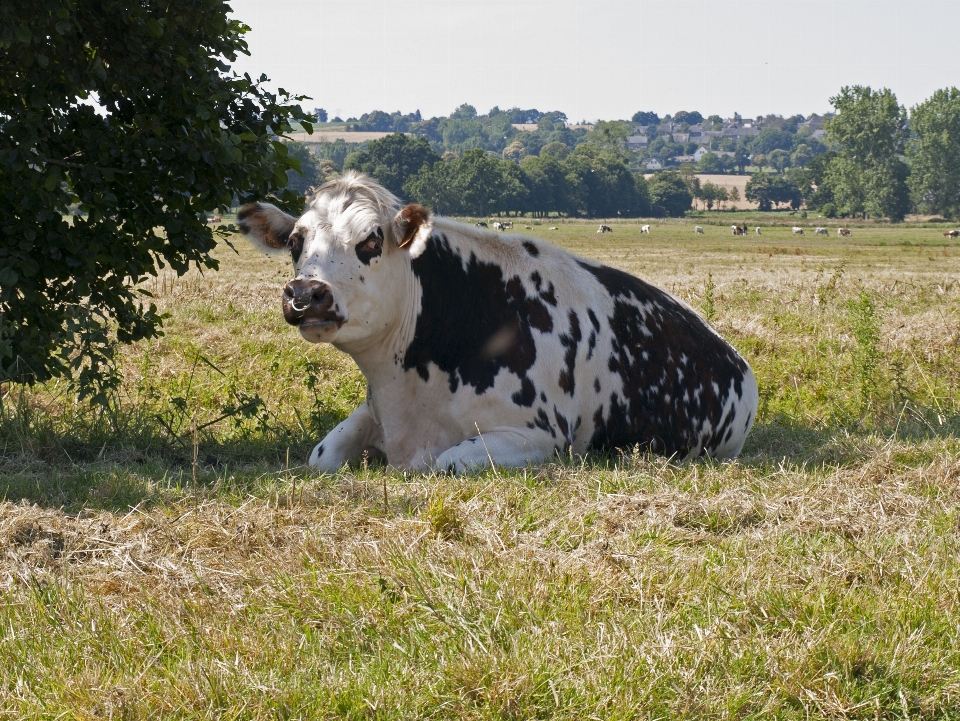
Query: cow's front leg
x=358, y=433
x=512, y=448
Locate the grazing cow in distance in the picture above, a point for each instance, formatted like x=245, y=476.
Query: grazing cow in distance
x=553, y=227
x=217, y=219
x=698, y=229
x=497, y=225
x=480, y=224
x=843, y=232
x=480, y=348
x=820, y=231
x=527, y=227
x=758, y=231
x=604, y=229
x=951, y=234
x=645, y=229
x=796, y=230
x=739, y=229
x=507, y=225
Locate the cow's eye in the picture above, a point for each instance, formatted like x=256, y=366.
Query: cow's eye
x=371, y=247
x=295, y=241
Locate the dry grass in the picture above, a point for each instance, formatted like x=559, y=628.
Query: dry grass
x=154, y=571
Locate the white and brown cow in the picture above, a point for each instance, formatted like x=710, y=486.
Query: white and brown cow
x=481, y=347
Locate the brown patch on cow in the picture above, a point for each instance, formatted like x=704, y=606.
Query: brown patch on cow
x=410, y=220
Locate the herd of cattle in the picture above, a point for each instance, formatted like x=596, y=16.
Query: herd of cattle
x=698, y=229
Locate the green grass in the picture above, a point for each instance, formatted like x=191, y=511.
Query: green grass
x=170, y=557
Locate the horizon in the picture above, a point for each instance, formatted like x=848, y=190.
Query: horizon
x=783, y=57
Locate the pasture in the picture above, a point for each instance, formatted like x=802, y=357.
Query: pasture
x=170, y=557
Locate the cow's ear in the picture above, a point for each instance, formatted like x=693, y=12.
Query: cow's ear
x=266, y=225
x=411, y=224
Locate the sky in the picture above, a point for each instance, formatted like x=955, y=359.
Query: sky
x=599, y=59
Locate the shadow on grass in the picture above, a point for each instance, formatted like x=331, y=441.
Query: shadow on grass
x=118, y=472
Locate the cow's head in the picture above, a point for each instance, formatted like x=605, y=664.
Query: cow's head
x=351, y=254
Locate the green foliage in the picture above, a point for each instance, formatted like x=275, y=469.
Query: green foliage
x=393, y=160
x=710, y=163
x=669, y=194
x=309, y=174
x=646, y=118
x=773, y=190
x=771, y=139
x=867, y=175
x=935, y=154
x=177, y=136
x=779, y=159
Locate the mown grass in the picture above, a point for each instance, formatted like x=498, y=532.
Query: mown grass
x=171, y=557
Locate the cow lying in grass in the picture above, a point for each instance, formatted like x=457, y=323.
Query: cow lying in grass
x=482, y=347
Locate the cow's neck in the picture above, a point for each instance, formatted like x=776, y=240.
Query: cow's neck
x=380, y=357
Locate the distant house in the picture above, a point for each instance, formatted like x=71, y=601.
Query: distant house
x=653, y=164
x=813, y=122
x=681, y=137
x=699, y=153
x=708, y=135
x=819, y=133
x=683, y=159
x=741, y=132
x=637, y=142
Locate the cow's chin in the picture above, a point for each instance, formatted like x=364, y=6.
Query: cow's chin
x=319, y=331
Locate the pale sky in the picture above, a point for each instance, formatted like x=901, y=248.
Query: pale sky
x=599, y=59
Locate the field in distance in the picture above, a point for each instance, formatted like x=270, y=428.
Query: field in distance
x=171, y=556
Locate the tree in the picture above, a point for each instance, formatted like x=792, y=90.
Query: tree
x=514, y=151
x=556, y=149
x=779, y=159
x=710, y=163
x=646, y=118
x=767, y=190
x=935, y=153
x=771, y=139
x=734, y=195
x=741, y=158
x=393, y=160
x=127, y=113
x=867, y=174
x=803, y=155
x=669, y=193
x=309, y=175
x=320, y=114
x=691, y=118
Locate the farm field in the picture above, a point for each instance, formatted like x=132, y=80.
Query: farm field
x=170, y=557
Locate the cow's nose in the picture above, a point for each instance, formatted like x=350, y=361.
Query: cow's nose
x=302, y=296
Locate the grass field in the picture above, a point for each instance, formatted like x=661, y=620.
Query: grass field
x=170, y=557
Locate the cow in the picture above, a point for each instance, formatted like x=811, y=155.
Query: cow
x=758, y=231
x=796, y=230
x=553, y=227
x=497, y=225
x=843, y=232
x=820, y=231
x=480, y=224
x=645, y=229
x=507, y=225
x=698, y=229
x=482, y=349
x=951, y=233
x=528, y=227
x=604, y=229
x=217, y=219
x=738, y=229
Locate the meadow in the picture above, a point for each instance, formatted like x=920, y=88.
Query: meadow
x=171, y=557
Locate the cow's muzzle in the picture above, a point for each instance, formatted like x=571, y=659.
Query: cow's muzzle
x=309, y=302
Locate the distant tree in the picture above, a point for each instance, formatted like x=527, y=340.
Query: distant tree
x=935, y=154
x=817, y=189
x=320, y=114
x=734, y=194
x=464, y=112
x=759, y=160
x=669, y=193
x=309, y=175
x=741, y=157
x=329, y=170
x=867, y=174
x=771, y=139
x=779, y=159
x=802, y=155
x=436, y=186
x=766, y=191
x=713, y=121
x=555, y=149
x=393, y=160
x=514, y=151
x=646, y=118
x=611, y=135
x=709, y=194
x=127, y=117
x=710, y=163
x=691, y=118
